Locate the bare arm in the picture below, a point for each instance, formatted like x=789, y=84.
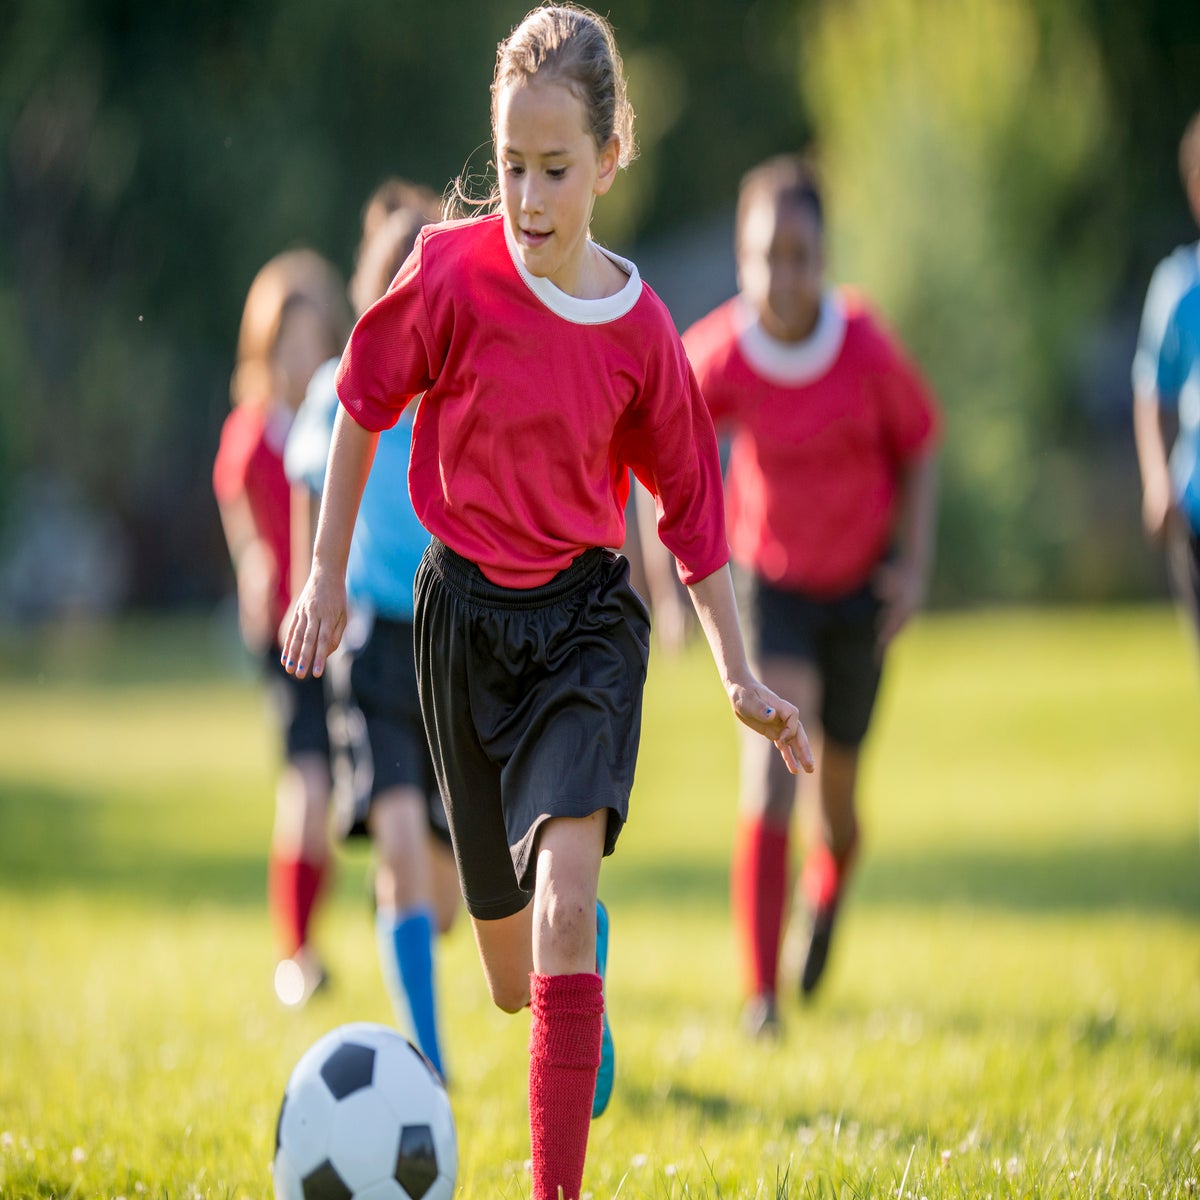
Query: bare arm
x=254, y=567
x=753, y=704
x=902, y=584
x=320, y=614
x=1157, y=501
x=305, y=505
x=671, y=618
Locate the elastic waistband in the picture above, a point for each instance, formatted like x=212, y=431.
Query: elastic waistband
x=464, y=577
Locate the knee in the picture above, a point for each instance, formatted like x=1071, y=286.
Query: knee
x=565, y=926
x=509, y=995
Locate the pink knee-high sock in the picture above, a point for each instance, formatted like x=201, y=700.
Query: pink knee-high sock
x=564, y=1053
x=759, y=894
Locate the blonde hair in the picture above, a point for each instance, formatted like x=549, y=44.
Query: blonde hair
x=294, y=277
x=573, y=46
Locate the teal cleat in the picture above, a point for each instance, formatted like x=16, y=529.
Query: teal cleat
x=604, y=1076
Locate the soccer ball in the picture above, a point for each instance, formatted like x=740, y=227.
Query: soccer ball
x=364, y=1117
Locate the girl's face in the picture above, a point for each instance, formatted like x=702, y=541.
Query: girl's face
x=550, y=175
x=781, y=266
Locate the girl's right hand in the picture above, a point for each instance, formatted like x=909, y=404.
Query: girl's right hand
x=760, y=709
x=318, y=621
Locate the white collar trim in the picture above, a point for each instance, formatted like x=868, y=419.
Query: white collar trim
x=794, y=363
x=572, y=308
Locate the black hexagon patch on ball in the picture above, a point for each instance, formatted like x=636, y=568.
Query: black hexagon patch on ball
x=348, y=1068
x=416, y=1164
x=326, y=1184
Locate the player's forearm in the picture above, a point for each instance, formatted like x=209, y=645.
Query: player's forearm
x=713, y=600
x=916, y=520
x=658, y=563
x=350, y=456
x=1148, y=437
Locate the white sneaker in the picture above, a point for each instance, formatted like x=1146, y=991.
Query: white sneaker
x=298, y=978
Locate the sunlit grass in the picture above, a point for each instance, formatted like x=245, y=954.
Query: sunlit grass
x=1012, y=1010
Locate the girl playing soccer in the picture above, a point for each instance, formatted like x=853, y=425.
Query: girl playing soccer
x=546, y=369
x=384, y=777
x=831, y=511
x=294, y=318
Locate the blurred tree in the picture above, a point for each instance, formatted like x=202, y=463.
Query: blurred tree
x=960, y=139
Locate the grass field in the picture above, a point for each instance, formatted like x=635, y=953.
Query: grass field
x=1012, y=1010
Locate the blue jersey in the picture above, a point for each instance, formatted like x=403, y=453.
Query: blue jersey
x=1173, y=278
x=388, y=539
x=1178, y=383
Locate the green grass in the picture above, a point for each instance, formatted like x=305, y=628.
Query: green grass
x=1012, y=1010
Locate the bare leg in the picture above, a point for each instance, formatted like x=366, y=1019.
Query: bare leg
x=302, y=809
x=838, y=786
x=404, y=914
x=298, y=863
x=760, y=869
x=400, y=830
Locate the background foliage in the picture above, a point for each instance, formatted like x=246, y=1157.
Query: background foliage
x=1002, y=177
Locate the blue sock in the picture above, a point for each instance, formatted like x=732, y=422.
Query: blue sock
x=406, y=955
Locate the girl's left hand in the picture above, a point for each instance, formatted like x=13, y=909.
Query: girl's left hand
x=758, y=708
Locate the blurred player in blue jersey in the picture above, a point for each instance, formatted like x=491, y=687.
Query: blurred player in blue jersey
x=385, y=784
x=1166, y=389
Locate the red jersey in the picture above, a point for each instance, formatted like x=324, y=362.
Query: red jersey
x=821, y=430
x=250, y=462
x=536, y=404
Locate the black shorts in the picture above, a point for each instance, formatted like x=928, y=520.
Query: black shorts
x=533, y=703
x=1183, y=561
x=839, y=636
x=299, y=709
x=377, y=735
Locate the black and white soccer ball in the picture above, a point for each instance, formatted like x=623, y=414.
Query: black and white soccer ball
x=364, y=1117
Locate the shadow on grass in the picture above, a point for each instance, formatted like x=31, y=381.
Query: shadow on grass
x=53, y=841
x=1140, y=876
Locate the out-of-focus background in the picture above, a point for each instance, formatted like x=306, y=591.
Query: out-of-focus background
x=1001, y=177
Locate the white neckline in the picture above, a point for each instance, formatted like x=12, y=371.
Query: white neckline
x=794, y=363
x=572, y=308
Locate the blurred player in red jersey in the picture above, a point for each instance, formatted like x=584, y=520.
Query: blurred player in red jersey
x=294, y=318
x=546, y=370
x=830, y=503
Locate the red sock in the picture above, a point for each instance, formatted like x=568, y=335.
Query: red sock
x=292, y=889
x=759, y=887
x=564, y=1054
x=825, y=872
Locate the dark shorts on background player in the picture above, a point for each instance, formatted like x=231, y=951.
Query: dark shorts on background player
x=299, y=709
x=838, y=635
x=376, y=729
x=1183, y=561
x=533, y=703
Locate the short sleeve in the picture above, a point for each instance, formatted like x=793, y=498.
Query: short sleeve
x=307, y=449
x=1166, y=287
x=396, y=350
x=239, y=437
x=672, y=449
x=706, y=344
x=911, y=414
x=1172, y=366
